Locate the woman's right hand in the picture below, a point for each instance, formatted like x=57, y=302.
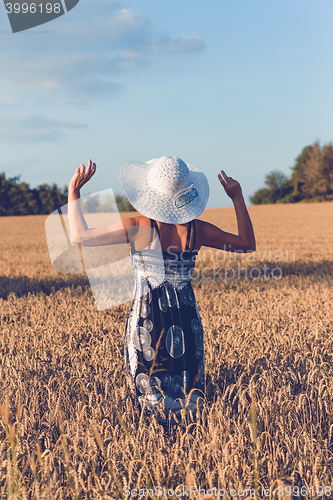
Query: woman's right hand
x=231, y=186
x=82, y=176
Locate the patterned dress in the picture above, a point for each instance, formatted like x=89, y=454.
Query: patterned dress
x=164, y=348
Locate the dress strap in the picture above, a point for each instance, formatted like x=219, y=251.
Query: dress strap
x=187, y=248
x=194, y=235
x=189, y=230
x=153, y=226
x=131, y=242
x=154, y=223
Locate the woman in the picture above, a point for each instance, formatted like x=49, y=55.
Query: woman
x=164, y=349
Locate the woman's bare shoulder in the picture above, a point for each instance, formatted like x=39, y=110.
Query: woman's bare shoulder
x=200, y=229
x=212, y=236
x=136, y=220
x=143, y=221
x=201, y=226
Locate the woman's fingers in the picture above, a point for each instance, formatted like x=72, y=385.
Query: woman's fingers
x=84, y=174
x=225, y=176
x=91, y=169
x=83, y=169
x=231, y=186
x=224, y=179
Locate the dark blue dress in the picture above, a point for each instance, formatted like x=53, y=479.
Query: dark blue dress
x=164, y=347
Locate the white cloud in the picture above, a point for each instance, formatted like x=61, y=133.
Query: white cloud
x=22, y=127
x=83, y=59
x=184, y=45
x=114, y=28
x=96, y=26
x=57, y=79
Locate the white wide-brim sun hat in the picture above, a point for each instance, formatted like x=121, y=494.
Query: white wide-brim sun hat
x=165, y=189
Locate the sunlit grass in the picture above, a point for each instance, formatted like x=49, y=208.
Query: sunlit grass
x=69, y=428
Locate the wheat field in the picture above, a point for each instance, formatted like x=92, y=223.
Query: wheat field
x=69, y=429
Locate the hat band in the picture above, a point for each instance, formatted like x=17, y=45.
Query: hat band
x=185, y=197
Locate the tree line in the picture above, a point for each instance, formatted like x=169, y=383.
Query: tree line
x=311, y=179
x=17, y=198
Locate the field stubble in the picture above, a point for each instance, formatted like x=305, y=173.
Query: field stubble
x=69, y=428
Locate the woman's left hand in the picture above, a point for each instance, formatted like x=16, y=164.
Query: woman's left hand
x=231, y=186
x=82, y=176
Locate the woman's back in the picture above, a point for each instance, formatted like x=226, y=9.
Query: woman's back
x=172, y=237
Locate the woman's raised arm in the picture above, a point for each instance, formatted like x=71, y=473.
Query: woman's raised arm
x=214, y=237
x=79, y=231
x=76, y=220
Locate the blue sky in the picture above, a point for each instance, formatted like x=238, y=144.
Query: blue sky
x=239, y=85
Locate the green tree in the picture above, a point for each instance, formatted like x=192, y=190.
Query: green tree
x=22, y=200
x=328, y=169
x=318, y=172
x=277, y=188
x=311, y=178
x=17, y=198
x=90, y=204
x=49, y=198
x=261, y=197
x=5, y=186
x=123, y=204
x=298, y=170
x=106, y=203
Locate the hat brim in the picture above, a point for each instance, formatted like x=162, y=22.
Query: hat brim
x=133, y=178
